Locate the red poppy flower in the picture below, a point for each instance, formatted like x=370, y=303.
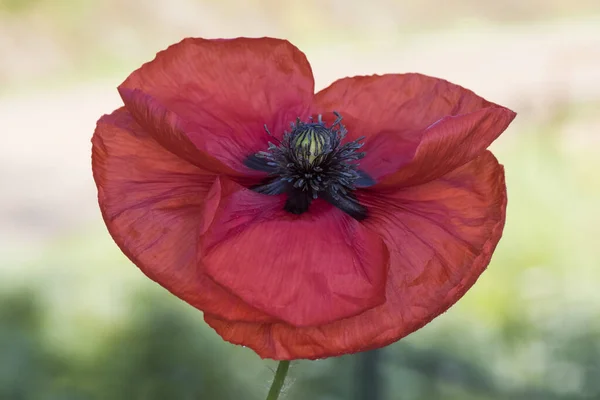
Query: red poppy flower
x=303, y=225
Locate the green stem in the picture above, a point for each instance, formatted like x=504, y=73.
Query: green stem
x=277, y=384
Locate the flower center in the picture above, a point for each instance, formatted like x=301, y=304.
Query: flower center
x=311, y=162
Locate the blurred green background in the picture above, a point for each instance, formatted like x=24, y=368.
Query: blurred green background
x=78, y=321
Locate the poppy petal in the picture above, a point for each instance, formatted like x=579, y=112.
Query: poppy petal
x=152, y=202
x=169, y=130
x=227, y=91
x=450, y=143
x=441, y=236
x=306, y=269
x=396, y=111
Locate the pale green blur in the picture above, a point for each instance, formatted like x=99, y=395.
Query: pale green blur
x=78, y=321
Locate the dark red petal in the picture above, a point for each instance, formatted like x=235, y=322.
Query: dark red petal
x=397, y=112
x=450, y=143
x=169, y=130
x=226, y=91
x=152, y=202
x=441, y=236
x=305, y=269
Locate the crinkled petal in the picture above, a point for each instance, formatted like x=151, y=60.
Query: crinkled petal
x=441, y=236
x=225, y=92
x=408, y=118
x=306, y=269
x=151, y=202
x=450, y=143
x=170, y=131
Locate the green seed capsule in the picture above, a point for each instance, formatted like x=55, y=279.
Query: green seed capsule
x=310, y=142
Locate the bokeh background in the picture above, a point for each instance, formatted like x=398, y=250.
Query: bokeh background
x=78, y=321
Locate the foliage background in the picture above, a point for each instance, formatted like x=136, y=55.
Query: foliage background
x=79, y=322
